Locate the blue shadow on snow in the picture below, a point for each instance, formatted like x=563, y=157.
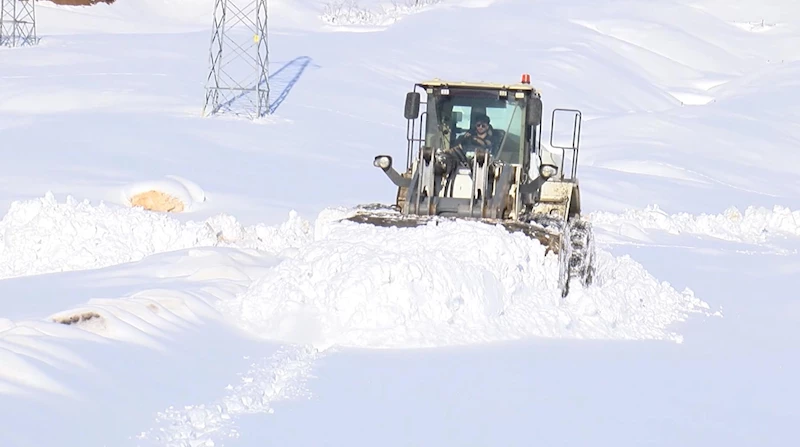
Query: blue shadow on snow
x=284, y=78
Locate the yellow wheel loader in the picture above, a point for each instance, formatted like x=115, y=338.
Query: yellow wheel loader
x=475, y=153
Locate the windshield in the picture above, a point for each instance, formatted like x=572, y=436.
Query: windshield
x=451, y=116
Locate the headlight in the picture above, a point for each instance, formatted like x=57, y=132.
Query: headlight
x=383, y=161
x=547, y=171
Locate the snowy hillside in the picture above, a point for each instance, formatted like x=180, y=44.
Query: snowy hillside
x=257, y=313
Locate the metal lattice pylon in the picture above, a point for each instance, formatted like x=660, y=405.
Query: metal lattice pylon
x=17, y=23
x=238, y=82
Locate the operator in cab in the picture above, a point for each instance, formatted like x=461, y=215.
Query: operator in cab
x=481, y=135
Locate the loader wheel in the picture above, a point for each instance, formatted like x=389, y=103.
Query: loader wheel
x=564, y=261
x=582, y=253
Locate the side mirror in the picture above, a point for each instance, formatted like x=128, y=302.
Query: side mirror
x=412, y=105
x=534, y=111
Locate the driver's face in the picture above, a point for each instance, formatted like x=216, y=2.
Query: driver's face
x=481, y=126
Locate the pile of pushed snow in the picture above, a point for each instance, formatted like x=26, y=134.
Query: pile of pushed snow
x=454, y=283
x=43, y=236
x=755, y=225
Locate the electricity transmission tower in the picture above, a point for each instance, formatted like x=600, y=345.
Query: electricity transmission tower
x=238, y=82
x=17, y=23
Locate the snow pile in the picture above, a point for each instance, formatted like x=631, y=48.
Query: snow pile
x=755, y=225
x=43, y=236
x=451, y=284
x=350, y=12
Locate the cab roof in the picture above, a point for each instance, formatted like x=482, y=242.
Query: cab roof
x=479, y=85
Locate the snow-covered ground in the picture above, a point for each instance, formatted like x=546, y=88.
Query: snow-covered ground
x=256, y=317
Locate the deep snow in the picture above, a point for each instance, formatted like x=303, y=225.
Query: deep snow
x=256, y=313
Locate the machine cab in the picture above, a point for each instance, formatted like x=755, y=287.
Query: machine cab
x=503, y=119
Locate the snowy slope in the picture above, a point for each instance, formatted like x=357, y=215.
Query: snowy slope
x=257, y=313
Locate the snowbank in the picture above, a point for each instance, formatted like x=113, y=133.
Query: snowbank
x=346, y=13
x=44, y=236
x=756, y=225
x=451, y=284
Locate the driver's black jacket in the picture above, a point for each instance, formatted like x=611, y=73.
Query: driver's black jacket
x=472, y=139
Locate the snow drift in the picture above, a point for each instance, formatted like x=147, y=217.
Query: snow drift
x=756, y=225
x=45, y=236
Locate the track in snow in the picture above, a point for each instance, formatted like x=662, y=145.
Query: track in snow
x=281, y=377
